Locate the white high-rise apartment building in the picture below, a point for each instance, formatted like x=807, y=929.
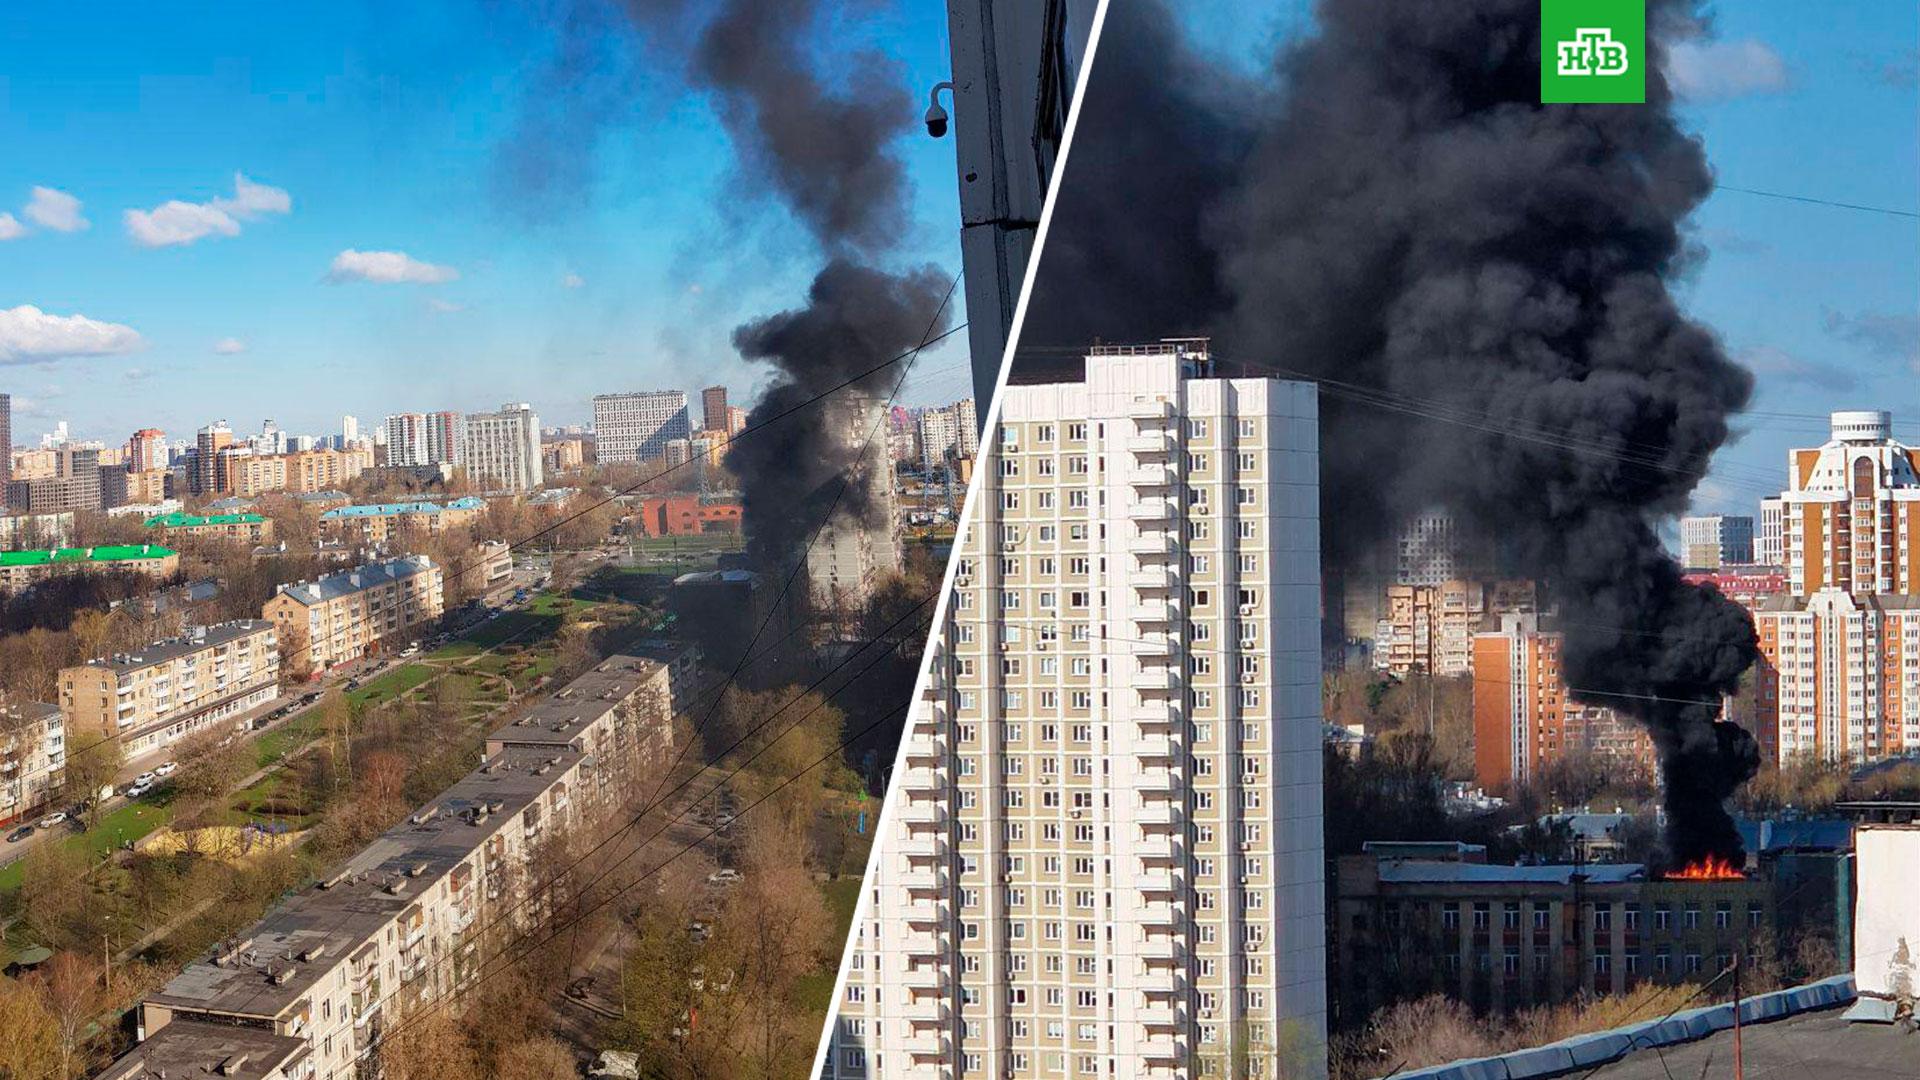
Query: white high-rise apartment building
x=1103, y=854
x=948, y=433
x=503, y=448
x=1768, y=545
x=638, y=427
x=1431, y=550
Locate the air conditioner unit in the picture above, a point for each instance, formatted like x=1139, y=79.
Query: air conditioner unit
x=1246, y=609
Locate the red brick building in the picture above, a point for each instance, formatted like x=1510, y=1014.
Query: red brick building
x=685, y=515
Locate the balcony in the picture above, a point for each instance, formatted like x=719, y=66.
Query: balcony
x=922, y=813
x=1160, y=949
x=927, y=978
x=1153, y=715
x=929, y=1044
x=1151, y=577
x=923, y=913
x=1151, y=442
x=1153, y=542
x=922, y=747
x=1158, y=983
x=921, y=848
x=1151, y=474
x=1159, y=815
x=1156, y=881
x=1155, y=645
x=1155, y=747
x=922, y=944
x=1153, y=612
x=1159, y=783
x=1150, y=409
x=1152, y=510
x=1158, y=916
x=1161, y=1048
x=1158, y=1014
x=925, y=1010
x=922, y=879
x=1157, y=679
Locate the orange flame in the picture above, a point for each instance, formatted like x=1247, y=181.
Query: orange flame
x=1711, y=868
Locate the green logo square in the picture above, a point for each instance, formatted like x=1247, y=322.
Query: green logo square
x=1593, y=51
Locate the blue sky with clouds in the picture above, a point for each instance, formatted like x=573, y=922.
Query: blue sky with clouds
x=365, y=132
x=1819, y=100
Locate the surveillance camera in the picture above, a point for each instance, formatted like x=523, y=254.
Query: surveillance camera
x=937, y=116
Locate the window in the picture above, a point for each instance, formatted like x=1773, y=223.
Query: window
x=1197, y=428
x=1249, y=428
x=1663, y=916
x=1722, y=915
x=1450, y=915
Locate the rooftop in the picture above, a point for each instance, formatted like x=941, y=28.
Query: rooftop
x=372, y=510
x=202, y=637
x=1415, y=871
x=178, y=520
x=347, y=582
x=196, y=1048
x=560, y=718
x=109, y=553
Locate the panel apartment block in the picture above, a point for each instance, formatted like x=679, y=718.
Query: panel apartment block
x=1104, y=854
x=309, y=990
x=171, y=689
x=638, y=427
x=346, y=614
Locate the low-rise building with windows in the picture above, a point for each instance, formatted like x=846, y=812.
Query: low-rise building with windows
x=23, y=569
x=244, y=528
x=33, y=752
x=171, y=689
x=345, y=615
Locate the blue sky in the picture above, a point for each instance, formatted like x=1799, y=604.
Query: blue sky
x=1819, y=100
x=384, y=126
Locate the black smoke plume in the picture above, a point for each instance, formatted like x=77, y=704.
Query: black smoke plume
x=1392, y=209
x=814, y=128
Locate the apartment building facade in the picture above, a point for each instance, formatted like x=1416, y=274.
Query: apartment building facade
x=638, y=426
x=36, y=530
x=246, y=528
x=1839, y=674
x=435, y=438
x=503, y=449
x=853, y=550
x=308, y=992
x=23, y=569
x=713, y=410
x=375, y=523
x=171, y=689
x=1525, y=718
x=948, y=434
x=344, y=616
x=1711, y=541
x=33, y=754
x=1503, y=938
x=74, y=484
x=1102, y=853
x=1430, y=628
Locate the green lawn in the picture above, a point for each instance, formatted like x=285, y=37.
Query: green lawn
x=126, y=824
x=392, y=684
x=278, y=743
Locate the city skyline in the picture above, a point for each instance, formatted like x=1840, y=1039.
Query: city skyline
x=246, y=189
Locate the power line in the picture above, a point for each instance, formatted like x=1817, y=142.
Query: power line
x=1889, y=211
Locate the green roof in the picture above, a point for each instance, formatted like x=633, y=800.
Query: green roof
x=178, y=520
x=111, y=553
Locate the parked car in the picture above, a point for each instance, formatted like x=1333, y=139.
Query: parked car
x=139, y=788
x=165, y=768
x=53, y=819
x=724, y=876
x=19, y=834
x=144, y=779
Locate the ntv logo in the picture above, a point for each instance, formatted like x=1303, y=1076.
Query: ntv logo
x=1592, y=52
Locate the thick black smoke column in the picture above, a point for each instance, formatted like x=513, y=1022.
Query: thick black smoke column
x=1399, y=212
x=815, y=127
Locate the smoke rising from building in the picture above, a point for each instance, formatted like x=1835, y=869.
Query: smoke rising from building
x=814, y=128
x=1394, y=210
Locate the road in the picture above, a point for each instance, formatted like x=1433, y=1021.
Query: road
x=336, y=678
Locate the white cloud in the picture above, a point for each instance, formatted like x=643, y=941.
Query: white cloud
x=56, y=210
x=444, y=307
x=136, y=374
x=176, y=222
x=572, y=281
x=229, y=346
x=29, y=335
x=10, y=227
x=387, y=268
x=1722, y=70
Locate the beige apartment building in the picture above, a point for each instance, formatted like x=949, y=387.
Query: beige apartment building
x=345, y=615
x=1430, y=628
x=376, y=523
x=1101, y=856
x=249, y=474
x=171, y=689
x=33, y=751
x=306, y=993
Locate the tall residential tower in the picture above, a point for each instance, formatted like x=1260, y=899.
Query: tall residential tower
x=1103, y=853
